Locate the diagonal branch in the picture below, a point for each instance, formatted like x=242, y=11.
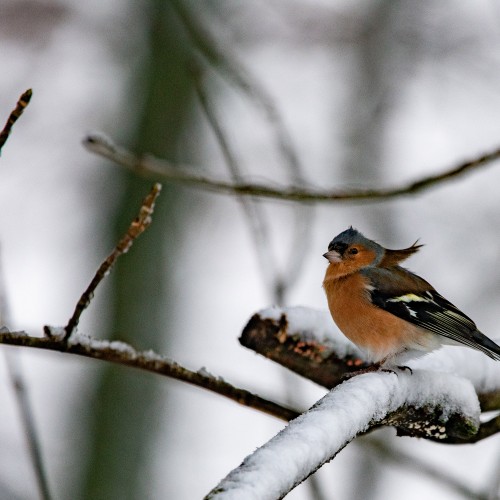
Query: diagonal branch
x=24, y=403
x=151, y=167
x=350, y=409
x=252, y=210
x=136, y=228
x=14, y=116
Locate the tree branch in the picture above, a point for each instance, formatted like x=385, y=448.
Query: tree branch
x=419, y=421
x=151, y=167
x=136, y=228
x=124, y=354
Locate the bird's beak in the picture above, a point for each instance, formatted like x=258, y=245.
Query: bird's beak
x=332, y=257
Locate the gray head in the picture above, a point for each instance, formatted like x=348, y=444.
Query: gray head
x=352, y=239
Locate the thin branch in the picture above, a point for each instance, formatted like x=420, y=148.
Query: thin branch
x=160, y=169
x=230, y=67
x=256, y=220
x=136, y=228
x=14, y=116
x=18, y=381
x=222, y=60
x=124, y=354
x=21, y=395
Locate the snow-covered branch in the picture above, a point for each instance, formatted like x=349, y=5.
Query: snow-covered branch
x=124, y=354
x=350, y=409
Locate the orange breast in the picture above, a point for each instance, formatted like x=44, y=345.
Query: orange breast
x=374, y=330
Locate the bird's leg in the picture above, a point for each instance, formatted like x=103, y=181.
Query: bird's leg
x=369, y=369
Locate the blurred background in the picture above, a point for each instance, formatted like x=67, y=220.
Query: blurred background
x=327, y=93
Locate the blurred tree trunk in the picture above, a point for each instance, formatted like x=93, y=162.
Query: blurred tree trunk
x=127, y=405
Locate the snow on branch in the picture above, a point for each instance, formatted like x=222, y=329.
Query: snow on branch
x=125, y=354
x=350, y=409
x=151, y=167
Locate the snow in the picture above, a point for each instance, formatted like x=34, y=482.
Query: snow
x=316, y=436
x=99, y=344
x=205, y=373
x=483, y=372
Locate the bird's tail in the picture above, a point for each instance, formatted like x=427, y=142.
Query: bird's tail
x=486, y=345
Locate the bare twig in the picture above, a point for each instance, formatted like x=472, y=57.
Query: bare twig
x=136, y=228
x=230, y=67
x=14, y=116
x=222, y=60
x=161, y=169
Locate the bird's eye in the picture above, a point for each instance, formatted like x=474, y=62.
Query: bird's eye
x=353, y=251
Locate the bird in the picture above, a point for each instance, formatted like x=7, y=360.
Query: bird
x=390, y=313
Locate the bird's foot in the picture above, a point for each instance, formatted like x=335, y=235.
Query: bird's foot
x=404, y=368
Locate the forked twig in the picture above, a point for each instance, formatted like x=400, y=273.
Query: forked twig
x=136, y=228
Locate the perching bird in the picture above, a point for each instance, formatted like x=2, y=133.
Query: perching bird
x=390, y=313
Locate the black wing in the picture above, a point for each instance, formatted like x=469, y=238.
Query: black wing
x=418, y=303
